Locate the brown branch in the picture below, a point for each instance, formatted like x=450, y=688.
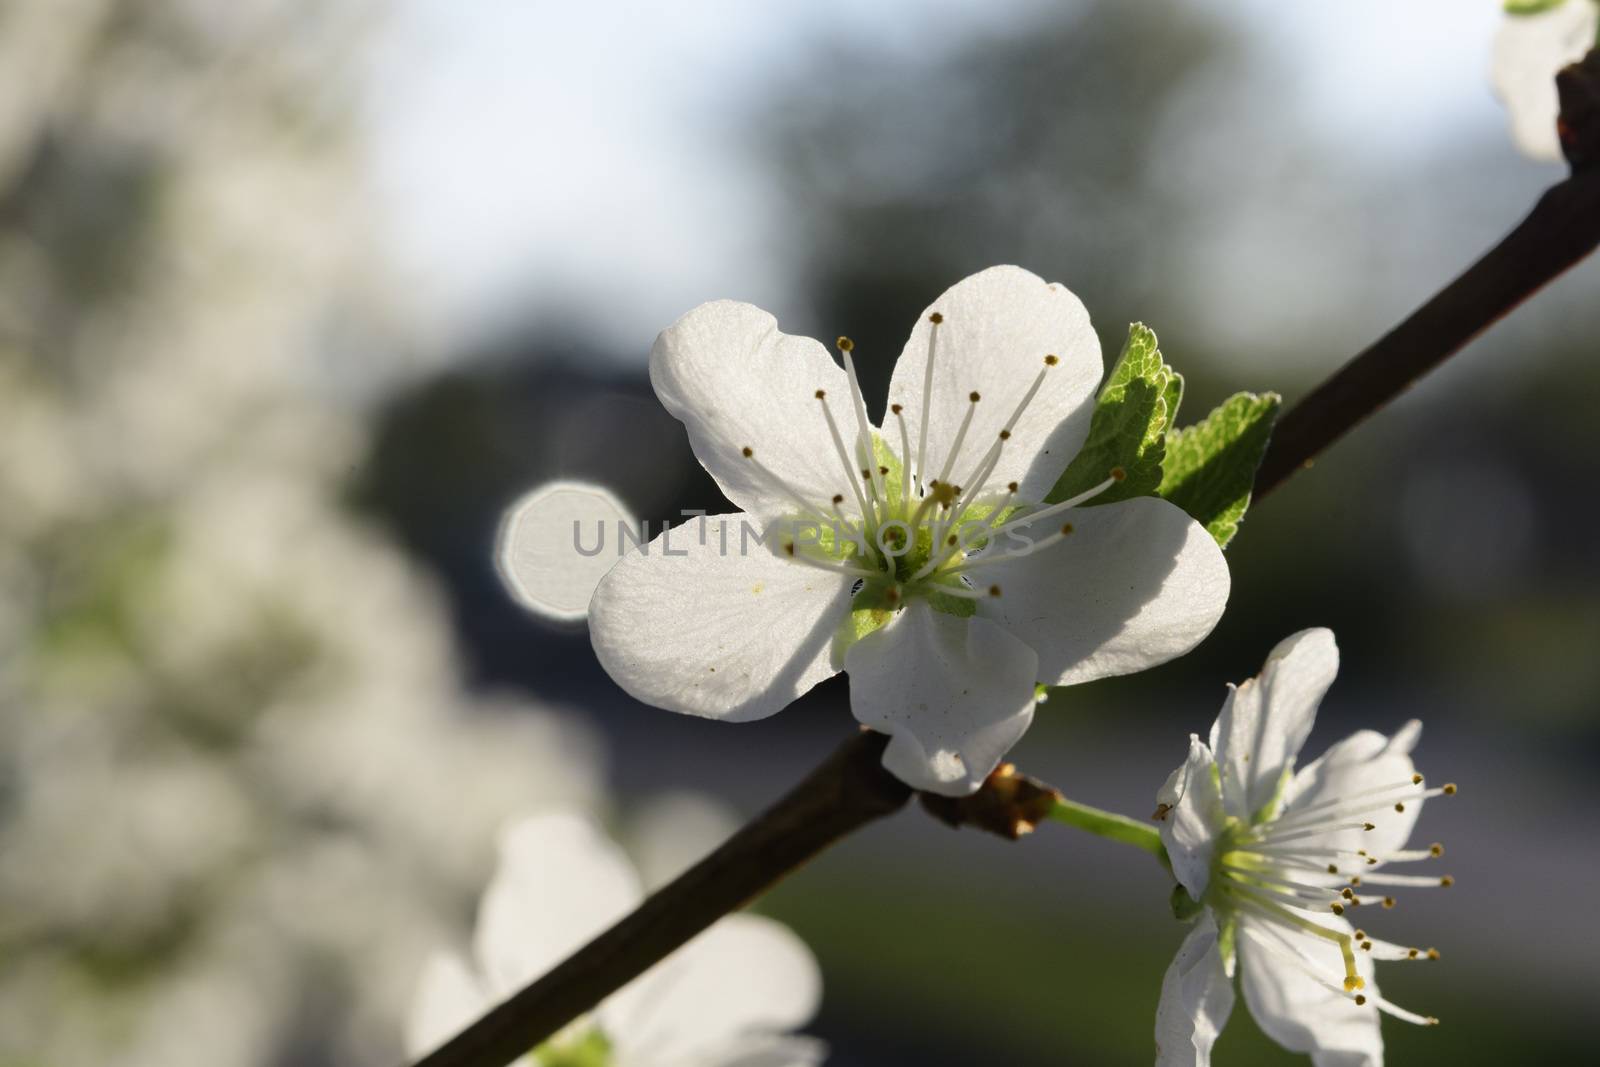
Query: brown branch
x=852, y=789
x=1562, y=229
x=848, y=791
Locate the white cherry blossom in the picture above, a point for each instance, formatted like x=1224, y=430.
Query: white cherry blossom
x=1528, y=51
x=729, y=998
x=1276, y=861
x=916, y=557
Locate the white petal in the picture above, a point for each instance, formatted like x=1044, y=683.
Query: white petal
x=765, y=1052
x=1135, y=584
x=999, y=324
x=1194, y=817
x=1361, y=763
x=560, y=882
x=727, y=629
x=1196, y=998
x=1299, y=1013
x=735, y=381
x=953, y=694
x=1265, y=722
x=1528, y=50
x=745, y=977
x=448, y=997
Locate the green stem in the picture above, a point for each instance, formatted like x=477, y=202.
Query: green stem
x=1110, y=824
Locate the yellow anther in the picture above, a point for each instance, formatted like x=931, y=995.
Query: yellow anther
x=1433, y=953
x=994, y=590
x=838, y=498
x=1051, y=361
x=1348, y=894
x=1066, y=528
x=1360, y=999
x=1412, y=953
x=936, y=318
x=1118, y=474
x=1447, y=881
x=748, y=451
x=1436, y=849
x=896, y=408
x=1416, y=779
x=1355, y=879
x=1449, y=789
x=845, y=344
x=1399, y=806
x=1361, y=935
x=1005, y=435
x=822, y=394
x=1338, y=909
x=1388, y=902
x=1367, y=946
x=1368, y=826
x=1011, y=487
x=974, y=396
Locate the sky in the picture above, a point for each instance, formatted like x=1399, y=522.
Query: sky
x=579, y=162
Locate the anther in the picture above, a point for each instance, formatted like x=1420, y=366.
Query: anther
x=1066, y=528
x=936, y=318
x=1347, y=893
x=1416, y=779
x=1332, y=869
x=1388, y=902
x=974, y=397
x=1050, y=361
x=748, y=451
x=883, y=470
x=822, y=394
x=952, y=539
x=1368, y=826
x=896, y=408
x=1338, y=909
x=1117, y=474
x=844, y=344
x=1449, y=789
x=1011, y=487
x=1447, y=881
x=1005, y=435
x=1399, y=806
x=1412, y=953
x=838, y=498
x=1433, y=953
x=1366, y=946
x=1355, y=879
x=1436, y=850
x=1360, y=935
x=994, y=590
x=1360, y=999
x=1372, y=861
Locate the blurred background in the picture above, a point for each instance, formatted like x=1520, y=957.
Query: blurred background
x=296, y=298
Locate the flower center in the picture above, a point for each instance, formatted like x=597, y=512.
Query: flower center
x=914, y=529
x=1280, y=870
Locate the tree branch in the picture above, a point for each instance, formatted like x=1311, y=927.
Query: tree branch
x=848, y=791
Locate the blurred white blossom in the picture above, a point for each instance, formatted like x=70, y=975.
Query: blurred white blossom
x=1528, y=50
x=726, y=999
x=242, y=786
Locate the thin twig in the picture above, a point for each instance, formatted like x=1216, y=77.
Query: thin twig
x=1563, y=228
x=848, y=791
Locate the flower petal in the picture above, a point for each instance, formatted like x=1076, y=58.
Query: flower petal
x=1135, y=584
x=1300, y=1013
x=1528, y=50
x=448, y=997
x=735, y=381
x=1192, y=817
x=1362, y=763
x=725, y=629
x=1196, y=999
x=1265, y=721
x=745, y=977
x=998, y=325
x=953, y=694
x=560, y=881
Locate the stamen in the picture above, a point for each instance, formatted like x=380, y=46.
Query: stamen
x=864, y=443
x=1381, y=878
x=905, y=455
x=824, y=565
x=772, y=477
x=967, y=593
x=961, y=436
x=927, y=402
x=849, y=469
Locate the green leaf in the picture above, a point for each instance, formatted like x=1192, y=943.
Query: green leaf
x=1136, y=408
x=1210, y=466
x=1531, y=7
